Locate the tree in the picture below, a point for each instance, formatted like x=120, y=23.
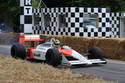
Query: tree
x=114, y=5
x=58, y=3
x=10, y=12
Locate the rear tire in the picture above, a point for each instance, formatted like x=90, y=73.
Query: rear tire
x=95, y=53
x=18, y=51
x=53, y=57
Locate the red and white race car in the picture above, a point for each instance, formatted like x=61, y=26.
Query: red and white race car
x=45, y=51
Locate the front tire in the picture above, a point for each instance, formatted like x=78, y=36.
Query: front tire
x=53, y=57
x=18, y=51
x=95, y=53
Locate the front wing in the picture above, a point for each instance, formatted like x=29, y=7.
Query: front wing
x=66, y=62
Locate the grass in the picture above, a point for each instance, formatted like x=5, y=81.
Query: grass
x=21, y=71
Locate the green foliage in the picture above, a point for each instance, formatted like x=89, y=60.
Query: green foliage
x=58, y=3
x=35, y=3
x=9, y=12
x=114, y=5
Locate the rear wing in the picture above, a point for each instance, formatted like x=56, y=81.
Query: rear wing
x=23, y=38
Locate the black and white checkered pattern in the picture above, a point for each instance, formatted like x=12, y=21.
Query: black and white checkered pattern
x=74, y=21
x=26, y=16
x=115, y=24
x=108, y=23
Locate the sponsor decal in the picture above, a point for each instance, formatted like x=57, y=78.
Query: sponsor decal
x=38, y=55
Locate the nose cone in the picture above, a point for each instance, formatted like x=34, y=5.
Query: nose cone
x=66, y=52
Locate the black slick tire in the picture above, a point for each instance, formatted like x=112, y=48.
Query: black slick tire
x=18, y=51
x=53, y=57
x=95, y=53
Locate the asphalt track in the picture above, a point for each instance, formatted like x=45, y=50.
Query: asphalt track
x=112, y=71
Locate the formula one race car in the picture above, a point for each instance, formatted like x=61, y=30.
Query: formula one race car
x=51, y=51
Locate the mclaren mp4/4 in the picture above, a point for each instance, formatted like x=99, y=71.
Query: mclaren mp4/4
x=46, y=51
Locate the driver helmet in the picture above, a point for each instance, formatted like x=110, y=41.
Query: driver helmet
x=56, y=43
